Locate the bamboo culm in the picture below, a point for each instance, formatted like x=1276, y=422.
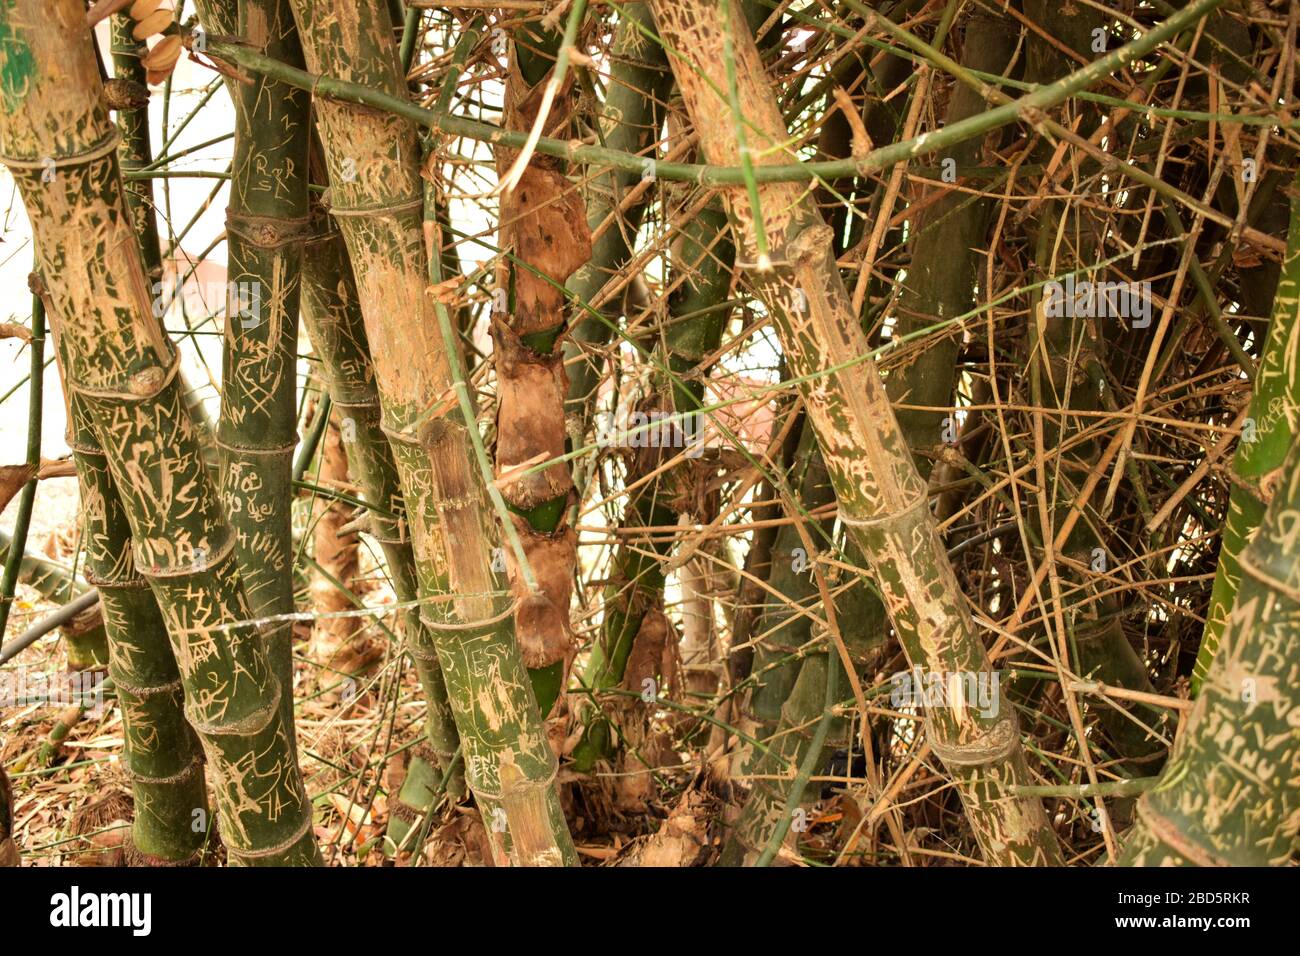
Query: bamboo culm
x=119, y=361
x=786, y=250
x=376, y=195
x=1227, y=796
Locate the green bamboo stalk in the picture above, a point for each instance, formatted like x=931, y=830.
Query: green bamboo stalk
x=331, y=312
x=882, y=498
x=118, y=360
x=793, y=670
x=630, y=119
x=811, y=758
x=1228, y=794
x=311, y=442
x=751, y=594
x=131, y=104
x=54, y=580
x=84, y=637
x=377, y=198
x=790, y=680
x=636, y=582
x=793, y=674
x=128, y=97
x=27, y=497
x=538, y=816
x=344, y=90
x=161, y=753
x=782, y=631
x=66, y=719
x=1057, y=347
x=940, y=281
x=806, y=731
x=1267, y=434
x=266, y=224
x=410, y=33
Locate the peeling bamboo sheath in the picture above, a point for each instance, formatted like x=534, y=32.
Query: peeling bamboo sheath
x=376, y=196
x=882, y=497
x=545, y=235
x=119, y=361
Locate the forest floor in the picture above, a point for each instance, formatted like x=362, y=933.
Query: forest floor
x=73, y=802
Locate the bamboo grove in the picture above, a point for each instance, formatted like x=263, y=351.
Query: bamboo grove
x=654, y=433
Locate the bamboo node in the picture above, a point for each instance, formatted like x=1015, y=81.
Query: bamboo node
x=269, y=232
x=464, y=628
x=996, y=744
x=147, y=382
x=133, y=856
x=189, y=770
x=91, y=153
x=121, y=94
x=812, y=242
x=875, y=521
x=270, y=451
x=267, y=851
x=390, y=209
x=250, y=724
x=141, y=691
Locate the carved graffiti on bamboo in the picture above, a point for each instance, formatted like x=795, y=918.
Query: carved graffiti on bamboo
x=116, y=357
x=251, y=786
x=882, y=498
x=377, y=199
x=137, y=716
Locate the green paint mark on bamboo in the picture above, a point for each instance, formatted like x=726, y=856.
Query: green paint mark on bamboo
x=16, y=61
